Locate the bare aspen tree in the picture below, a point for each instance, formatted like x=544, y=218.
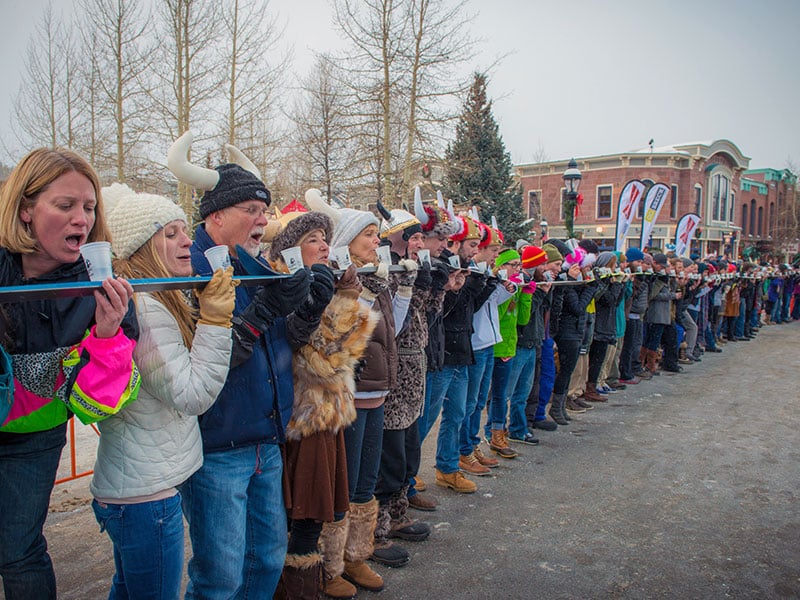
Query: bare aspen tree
x=186, y=75
x=39, y=111
x=254, y=67
x=324, y=139
x=121, y=57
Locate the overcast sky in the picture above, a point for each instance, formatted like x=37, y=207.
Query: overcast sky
x=587, y=77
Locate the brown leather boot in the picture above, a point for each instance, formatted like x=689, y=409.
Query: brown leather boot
x=486, y=461
x=591, y=395
x=499, y=445
x=456, y=482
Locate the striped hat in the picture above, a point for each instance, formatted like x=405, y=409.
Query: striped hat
x=532, y=257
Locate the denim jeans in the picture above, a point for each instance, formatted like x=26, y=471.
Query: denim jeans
x=501, y=389
x=739, y=327
x=28, y=465
x=436, y=383
x=363, y=442
x=454, y=408
x=480, y=380
x=237, y=523
x=148, y=547
x=786, y=301
x=520, y=381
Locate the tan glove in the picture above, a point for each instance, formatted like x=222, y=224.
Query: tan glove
x=217, y=299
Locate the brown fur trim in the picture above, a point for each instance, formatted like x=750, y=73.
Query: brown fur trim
x=360, y=539
x=331, y=543
x=303, y=561
x=323, y=368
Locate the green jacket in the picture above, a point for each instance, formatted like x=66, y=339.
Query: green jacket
x=514, y=311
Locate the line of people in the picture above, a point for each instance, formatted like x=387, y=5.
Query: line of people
x=285, y=422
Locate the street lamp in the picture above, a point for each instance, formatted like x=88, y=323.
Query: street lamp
x=543, y=226
x=572, y=181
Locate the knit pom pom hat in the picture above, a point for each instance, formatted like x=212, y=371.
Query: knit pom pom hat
x=134, y=218
x=532, y=257
x=634, y=254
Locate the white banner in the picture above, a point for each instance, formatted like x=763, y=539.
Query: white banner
x=652, y=206
x=685, y=232
x=627, y=208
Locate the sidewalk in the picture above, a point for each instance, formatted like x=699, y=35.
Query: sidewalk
x=687, y=486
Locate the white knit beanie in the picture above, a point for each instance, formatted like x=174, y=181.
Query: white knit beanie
x=134, y=218
x=351, y=223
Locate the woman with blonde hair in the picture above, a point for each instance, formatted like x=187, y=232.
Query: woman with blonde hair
x=149, y=449
x=69, y=355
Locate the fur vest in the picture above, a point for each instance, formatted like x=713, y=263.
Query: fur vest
x=323, y=368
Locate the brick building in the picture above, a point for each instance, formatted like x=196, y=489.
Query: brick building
x=704, y=177
x=766, y=203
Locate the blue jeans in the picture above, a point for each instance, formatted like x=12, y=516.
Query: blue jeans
x=480, y=380
x=148, y=547
x=786, y=301
x=501, y=389
x=451, y=388
x=237, y=523
x=775, y=316
x=520, y=381
x=739, y=327
x=547, y=378
x=363, y=441
x=28, y=465
x=433, y=406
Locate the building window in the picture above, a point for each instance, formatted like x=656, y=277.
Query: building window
x=673, y=203
x=563, y=200
x=534, y=206
x=752, y=217
x=698, y=199
x=771, y=219
x=760, y=221
x=733, y=203
x=604, y=195
x=744, y=218
x=720, y=186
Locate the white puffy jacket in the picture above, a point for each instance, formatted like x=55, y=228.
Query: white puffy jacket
x=154, y=443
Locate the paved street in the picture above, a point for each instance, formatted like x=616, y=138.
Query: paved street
x=684, y=487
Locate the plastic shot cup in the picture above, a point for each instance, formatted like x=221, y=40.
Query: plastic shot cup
x=218, y=257
x=97, y=257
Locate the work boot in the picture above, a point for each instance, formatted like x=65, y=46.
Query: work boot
x=591, y=395
x=469, y=464
x=486, y=461
x=556, y=411
x=499, y=444
x=573, y=407
x=456, y=482
x=422, y=502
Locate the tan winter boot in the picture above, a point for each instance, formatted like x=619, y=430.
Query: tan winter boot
x=499, y=444
x=332, y=542
x=456, y=482
x=359, y=544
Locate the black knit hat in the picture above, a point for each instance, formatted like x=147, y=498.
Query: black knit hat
x=297, y=228
x=235, y=185
x=560, y=246
x=589, y=246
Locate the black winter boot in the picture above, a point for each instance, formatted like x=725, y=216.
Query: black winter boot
x=557, y=411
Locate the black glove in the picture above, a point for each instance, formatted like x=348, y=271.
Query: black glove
x=440, y=274
x=244, y=339
x=424, y=279
x=277, y=298
x=358, y=368
x=321, y=293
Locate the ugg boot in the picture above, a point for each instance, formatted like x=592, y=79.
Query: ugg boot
x=359, y=546
x=652, y=362
x=300, y=579
x=591, y=395
x=557, y=412
x=499, y=444
x=332, y=542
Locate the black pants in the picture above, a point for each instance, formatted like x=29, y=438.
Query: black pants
x=597, y=356
x=533, y=398
x=399, y=460
x=669, y=342
x=629, y=363
x=304, y=536
x=567, y=359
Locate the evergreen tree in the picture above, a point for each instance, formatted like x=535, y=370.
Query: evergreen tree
x=478, y=170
